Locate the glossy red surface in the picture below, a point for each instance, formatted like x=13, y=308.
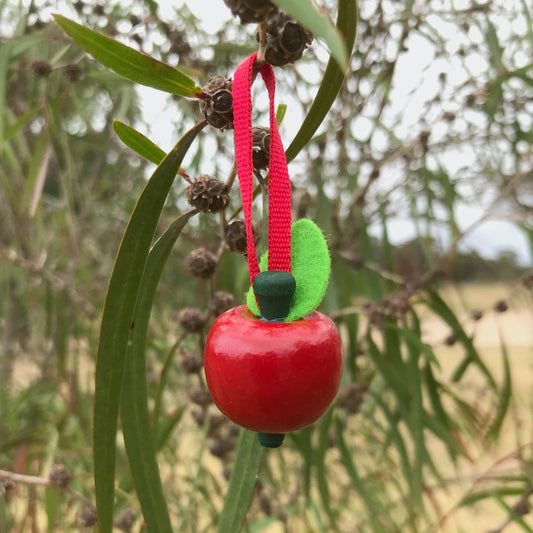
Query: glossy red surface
x=272, y=377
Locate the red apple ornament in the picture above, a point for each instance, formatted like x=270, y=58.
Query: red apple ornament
x=268, y=375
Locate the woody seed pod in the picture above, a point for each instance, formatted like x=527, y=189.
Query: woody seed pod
x=216, y=103
x=208, y=194
x=286, y=40
x=191, y=319
x=251, y=10
x=201, y=263
x=59, y=477
x=221, y=301
x=260, y=147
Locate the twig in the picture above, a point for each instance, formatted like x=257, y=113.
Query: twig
x=43, y=481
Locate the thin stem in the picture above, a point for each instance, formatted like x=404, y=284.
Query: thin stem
x=45, y=482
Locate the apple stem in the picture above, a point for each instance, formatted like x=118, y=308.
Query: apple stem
x=274, y=290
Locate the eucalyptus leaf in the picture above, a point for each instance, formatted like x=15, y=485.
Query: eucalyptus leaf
x=129, y=63
x=117, y=319
x=140, y=445
x=138, y=142
x=241, y=483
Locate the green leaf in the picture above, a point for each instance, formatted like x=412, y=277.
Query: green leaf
x=241, y=483
x=331, y=82
x=130, y=63
x=439, y=306
x=310, y=266
x=138, y=142
x=415, y=342
x=495, y=49
x=322, y=469
x=305, y=12
x=504, y=396
x=118, y=312
x=415, y=419
x=362, y=488
x=140, y=445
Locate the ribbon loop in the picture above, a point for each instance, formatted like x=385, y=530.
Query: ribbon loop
x=279, y=187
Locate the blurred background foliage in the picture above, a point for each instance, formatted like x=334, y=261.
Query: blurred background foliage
x=430, y=419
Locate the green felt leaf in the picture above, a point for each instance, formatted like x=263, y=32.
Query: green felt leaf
x=128, y=62
x=310, y=266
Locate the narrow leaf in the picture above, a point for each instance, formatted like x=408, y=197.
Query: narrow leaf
x=331, y=82
x=504, y=396
x=305, y=12
x=362, y=488
x=119, y=306
x=439, y=306
x=130, y=63
x=140, y=445
x=321, y=467
x=138, y=142
x=241, y=483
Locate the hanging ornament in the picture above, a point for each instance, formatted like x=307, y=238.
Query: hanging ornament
x=274, y=365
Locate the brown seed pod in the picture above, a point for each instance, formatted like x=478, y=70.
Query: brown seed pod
x=208, y=194
x=260, y=147
x=450, y=340
x=74, y=72
x=235, y=236
x=88, y=516
x=200, y=396
x=7, y=487
x=125, y=520
x=221, y=448
x=476, y=315
x=221, y=301
x=216, y=102
x=41, y=68
x=59, y=477
x=191, y=363
x=286, y=40
x=251, y=10
x=191, y=319
x=501, y=306
x=201, y=263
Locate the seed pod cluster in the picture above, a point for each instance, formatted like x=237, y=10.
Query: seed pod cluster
x=191, y=363
x=260, y=147
x=235, y=236
x=201, y=263
x=286, y=40
x=191, y=319
x=125, y=521
x=216, y=102
x=251, y=10
x=208, y=194
x=221, y=301
x=88, y=516
x=59, y=477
